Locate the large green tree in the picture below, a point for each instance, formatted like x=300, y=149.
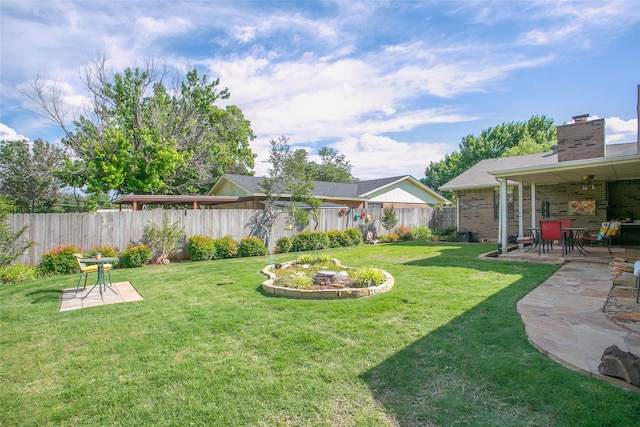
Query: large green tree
x=140, y=136
x=536, y=135
x=29, y=174
x=333, y=167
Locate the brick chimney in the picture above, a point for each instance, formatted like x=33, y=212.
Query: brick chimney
x=582, y=139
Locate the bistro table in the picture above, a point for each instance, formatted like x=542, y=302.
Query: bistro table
x=101, y=282
x=574, y=237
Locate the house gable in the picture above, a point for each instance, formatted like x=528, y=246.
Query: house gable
x=229, y=185
x=405, y=191
x=401, y=190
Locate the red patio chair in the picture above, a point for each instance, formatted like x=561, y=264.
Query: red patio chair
x=550, y=230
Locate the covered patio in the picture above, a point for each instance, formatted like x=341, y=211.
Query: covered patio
x=605, y=177
x=594, y=255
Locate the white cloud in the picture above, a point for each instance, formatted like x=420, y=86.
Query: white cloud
x=373, y=156
x=539, y=37
x=346, y=71
x=618, y=130
x=163, y=27
x=9, y=134
x=579, y=23
x=245, y=33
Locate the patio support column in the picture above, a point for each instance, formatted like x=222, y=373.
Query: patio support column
x=520, y=210
x=503, y=214
x=533, y=204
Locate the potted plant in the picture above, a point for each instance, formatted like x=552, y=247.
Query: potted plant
x=436, y=233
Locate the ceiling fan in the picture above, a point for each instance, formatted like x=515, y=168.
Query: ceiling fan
x=587, y=181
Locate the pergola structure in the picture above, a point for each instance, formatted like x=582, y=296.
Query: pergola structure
x=137, y=201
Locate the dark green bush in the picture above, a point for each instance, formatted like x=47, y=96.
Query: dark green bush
x=355, y=235
x=311, y=240
x=420, y=232
x=135, y=256
x=252, y=246
x=105, y=251
x=226, y=247
x=384, y=238
x=338, y=239
x=284, y=245
x=59, y=260
x=201, y=248
x=451, y=230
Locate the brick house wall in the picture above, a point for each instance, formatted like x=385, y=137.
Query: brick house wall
x=624, y=197
x=476, y=208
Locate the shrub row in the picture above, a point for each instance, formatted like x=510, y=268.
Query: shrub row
x=405, y=233
x=60, y=260
x=202, y=248
x=314, y=240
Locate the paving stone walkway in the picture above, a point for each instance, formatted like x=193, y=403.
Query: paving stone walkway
x=565, y=319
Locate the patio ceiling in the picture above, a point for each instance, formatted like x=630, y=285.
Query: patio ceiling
x=602, y=169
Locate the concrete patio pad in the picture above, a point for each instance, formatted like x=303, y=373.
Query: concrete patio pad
x=125, y=292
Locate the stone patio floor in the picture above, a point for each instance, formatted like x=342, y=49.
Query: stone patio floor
x=581, y=310
x=125, y=292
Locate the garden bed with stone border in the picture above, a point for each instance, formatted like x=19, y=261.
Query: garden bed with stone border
x=322, y=292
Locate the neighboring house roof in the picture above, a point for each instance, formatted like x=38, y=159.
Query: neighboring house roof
x=163, y=199
x=404, y=189
x=621, y=161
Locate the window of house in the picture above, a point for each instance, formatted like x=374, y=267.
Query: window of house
x=510, y=204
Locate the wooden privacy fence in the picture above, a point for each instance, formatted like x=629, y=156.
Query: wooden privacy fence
x=119, y=229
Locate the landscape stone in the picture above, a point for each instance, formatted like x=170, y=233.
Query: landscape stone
x=620, y=364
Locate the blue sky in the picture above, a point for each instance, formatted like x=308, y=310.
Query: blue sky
x=391, y=85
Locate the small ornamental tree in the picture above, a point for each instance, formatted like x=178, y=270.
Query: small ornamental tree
x=389, y=219
x=11, y=245
x=162, y=239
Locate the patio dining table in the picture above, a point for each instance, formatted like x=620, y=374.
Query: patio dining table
x=574, y=239
x=100, y=282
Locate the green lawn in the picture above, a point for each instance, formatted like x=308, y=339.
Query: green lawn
x=444, y=347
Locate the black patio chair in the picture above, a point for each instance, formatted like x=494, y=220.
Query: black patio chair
x=605, y=234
